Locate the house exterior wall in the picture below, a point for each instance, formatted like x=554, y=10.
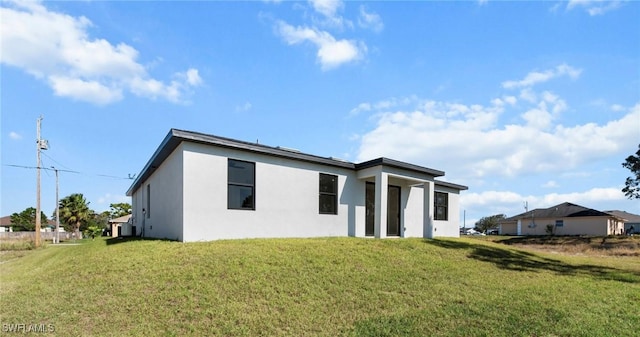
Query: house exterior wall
x=164, y=219
x=509, y=228
x=450, y=227
x=286, y=197
x=596, y=226
x=188, y=200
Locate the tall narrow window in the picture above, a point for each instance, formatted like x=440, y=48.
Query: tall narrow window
x=328, y=194
x=241, y=184
x=149, y=201
x=441, y=206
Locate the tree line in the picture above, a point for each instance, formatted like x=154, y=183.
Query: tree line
x=75, y=216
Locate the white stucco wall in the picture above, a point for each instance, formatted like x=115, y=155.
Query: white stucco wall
x=166, y=211
x=286, y=197
x=413, y=214
x=451, y=227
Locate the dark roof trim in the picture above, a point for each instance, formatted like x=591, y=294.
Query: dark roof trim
x=451, y=185
x=176, y=136
x=398, y=164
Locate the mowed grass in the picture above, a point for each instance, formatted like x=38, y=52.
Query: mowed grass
x=319, y=287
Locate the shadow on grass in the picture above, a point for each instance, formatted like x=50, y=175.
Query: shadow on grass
x=525, y=261
x=123, y=239
x=551, y=240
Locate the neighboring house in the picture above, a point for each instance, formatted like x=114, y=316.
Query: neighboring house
x=630, y=220
x=563, y=219
x=203, y=187
x=7, y=226
x=116, y=225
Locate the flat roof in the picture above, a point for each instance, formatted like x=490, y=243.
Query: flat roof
x=176, y=136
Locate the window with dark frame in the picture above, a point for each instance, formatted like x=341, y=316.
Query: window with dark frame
x=328, y=194
x=559, y=223
x=241, y=178
x=441, y=206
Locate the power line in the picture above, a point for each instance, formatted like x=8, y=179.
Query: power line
x=55, y=161
x=130, y=177
x=42, y=168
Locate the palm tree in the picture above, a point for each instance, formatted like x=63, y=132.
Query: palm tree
x=74, y=209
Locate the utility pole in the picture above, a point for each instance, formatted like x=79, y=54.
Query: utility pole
x=41, y=144
x=56, y=237
x=37, y=234
x=464, y=221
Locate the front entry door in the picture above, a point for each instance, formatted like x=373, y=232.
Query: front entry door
x=393, y=210
x=370, y=207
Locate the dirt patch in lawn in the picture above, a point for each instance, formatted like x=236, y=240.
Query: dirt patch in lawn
x=578, y=245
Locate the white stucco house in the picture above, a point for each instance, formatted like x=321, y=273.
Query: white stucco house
x=200, y=187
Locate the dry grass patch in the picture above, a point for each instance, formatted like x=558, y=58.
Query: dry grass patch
x=577, y=245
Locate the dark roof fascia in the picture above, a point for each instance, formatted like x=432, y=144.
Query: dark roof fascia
x=451, y=185
x=169, y=143
x=398, y=164
x=176, y=136
x=259, y=148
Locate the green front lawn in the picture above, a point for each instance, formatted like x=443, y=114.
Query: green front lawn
x=319, y=287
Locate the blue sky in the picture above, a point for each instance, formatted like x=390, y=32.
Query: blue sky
x=520, y=101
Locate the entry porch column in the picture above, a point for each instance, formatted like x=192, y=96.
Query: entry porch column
x=380, y=217
x=427, y=210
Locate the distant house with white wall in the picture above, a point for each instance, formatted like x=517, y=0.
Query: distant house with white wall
x=631, y=221
x=116, y=225
x=563, y=219
x=200, y=187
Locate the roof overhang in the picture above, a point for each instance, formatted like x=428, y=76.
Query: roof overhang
x=173, y=139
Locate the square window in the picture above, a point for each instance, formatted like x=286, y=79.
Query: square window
x=328, y=200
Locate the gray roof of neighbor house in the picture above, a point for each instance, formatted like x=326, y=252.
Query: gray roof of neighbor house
x=564, y=210
x=175, y=137
x=122, y=219
x=627, y=217
x=5, y=221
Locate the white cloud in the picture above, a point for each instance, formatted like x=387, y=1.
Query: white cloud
x=244, y=107
x=77, y=65
x=14, y=135
x=595, y=7
x=467, y=141
x=370, y=20
x=536, y=77
x=331, y=52
x=329, y=10
x=617, y=108
x=193, y=77
x=82, y=90
x=510, y=99
x=550, y=184
x=362, y=107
